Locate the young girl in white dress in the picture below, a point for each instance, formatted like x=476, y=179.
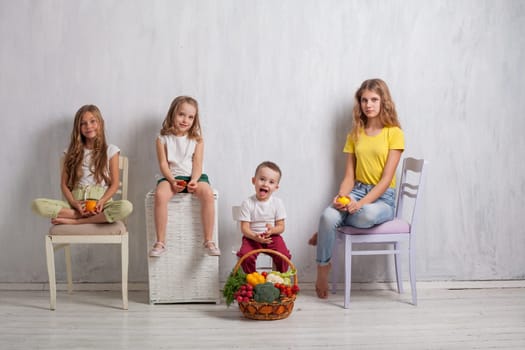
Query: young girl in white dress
x=180, y=150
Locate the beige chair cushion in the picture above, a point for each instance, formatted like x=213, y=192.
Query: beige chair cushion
x=115, y=228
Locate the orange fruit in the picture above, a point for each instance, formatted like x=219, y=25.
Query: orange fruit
x=181, y=183
x=91, y=205
x=344, y=200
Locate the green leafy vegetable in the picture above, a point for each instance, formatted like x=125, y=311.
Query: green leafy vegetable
x=233, y=283
x=266, y=293
x=286, y=274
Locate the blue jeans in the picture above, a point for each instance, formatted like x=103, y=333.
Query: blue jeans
x=369, y=215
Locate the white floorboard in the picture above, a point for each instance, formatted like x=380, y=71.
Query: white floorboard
x=470, y=318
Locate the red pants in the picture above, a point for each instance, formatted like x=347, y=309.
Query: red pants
x=248, y=265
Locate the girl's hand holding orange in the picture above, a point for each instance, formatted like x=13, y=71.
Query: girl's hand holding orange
x=100, y=206
x=178, y=186
x=344, y=200
x=340, y=203
x=79, y=206
x=181, y=183
x=90, y=205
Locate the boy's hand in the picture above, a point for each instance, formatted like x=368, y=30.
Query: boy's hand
x=269, y=230
x=263, y=238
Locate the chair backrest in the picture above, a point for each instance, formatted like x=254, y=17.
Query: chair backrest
x=410, y=188
x=123, y=176
x=123, y=186
x=236, y=213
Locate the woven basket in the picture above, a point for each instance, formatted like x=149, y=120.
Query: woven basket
x=185, y=273
x=267, y=311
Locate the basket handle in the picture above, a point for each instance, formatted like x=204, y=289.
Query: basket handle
x=267, y=251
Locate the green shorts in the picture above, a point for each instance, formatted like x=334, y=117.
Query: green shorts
x=203, y=178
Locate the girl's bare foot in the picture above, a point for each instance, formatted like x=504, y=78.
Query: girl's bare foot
x=69, y=213
x=64, y=221
x=93, y=219
x=321, y=285
x=313, y=239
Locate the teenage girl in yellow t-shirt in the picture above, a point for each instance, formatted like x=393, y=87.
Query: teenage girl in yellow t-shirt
x=374, y=148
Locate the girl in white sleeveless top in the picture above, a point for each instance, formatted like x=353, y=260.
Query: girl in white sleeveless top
x=180, y=150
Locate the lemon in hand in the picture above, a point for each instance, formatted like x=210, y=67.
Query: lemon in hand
x=344, y=200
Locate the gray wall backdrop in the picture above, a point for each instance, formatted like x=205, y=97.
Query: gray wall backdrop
x=275, y=80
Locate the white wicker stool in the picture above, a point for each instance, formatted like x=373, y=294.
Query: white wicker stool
x=185, y=273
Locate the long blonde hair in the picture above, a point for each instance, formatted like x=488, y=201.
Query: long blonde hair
x=167, y=125
x=75, y=153
x=387, y=114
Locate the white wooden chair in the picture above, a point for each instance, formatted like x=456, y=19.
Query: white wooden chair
x=62, y=236
x=399, y=230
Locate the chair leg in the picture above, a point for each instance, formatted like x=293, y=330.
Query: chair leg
x=397, y=262
x=412, y=271
x=124, y=261
x=335, y=264
x=348, y=271
x=67, y=255
x=50, y=261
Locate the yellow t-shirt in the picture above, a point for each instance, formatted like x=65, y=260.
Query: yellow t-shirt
x=371, y=153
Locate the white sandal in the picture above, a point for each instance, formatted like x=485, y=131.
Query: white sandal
x=158, y=249
x=211, y=248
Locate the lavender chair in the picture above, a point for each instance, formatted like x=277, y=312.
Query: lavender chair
x=399, y=230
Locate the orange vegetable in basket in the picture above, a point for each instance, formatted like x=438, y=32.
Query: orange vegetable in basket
x=255, y=278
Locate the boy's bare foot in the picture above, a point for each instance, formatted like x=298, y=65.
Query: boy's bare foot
x=313, y=239
x=321, y=285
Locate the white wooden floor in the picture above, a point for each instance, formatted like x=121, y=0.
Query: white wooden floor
x=472, y=318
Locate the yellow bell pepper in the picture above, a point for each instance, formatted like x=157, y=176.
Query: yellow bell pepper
x=255, y=278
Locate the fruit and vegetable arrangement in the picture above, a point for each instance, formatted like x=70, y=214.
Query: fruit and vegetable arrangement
x=265, y=295
x=265, y=287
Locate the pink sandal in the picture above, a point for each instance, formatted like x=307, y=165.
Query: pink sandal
x=211, y=248
x=158, y=249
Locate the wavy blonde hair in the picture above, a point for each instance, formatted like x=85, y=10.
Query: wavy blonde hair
x=387, y=114
x=75, y=152
x=167, y=125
